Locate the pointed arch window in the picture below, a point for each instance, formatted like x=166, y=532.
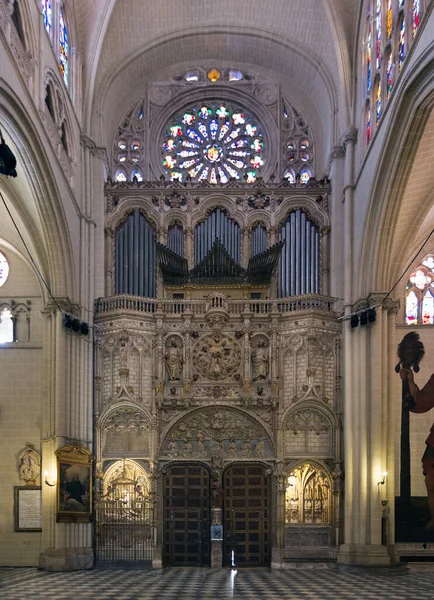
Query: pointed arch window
x=63, y=48
x=378, y=42
x=419, y=298
x=389, y=20
x=6, y=326
x=415, y=16
x=17, y=21
x=369, y=59
x=378, y=102
x=4, y=269
x=47, y=14
x=401, y=43
x=368, y=122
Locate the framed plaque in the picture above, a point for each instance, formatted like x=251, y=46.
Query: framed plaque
x=28, y=508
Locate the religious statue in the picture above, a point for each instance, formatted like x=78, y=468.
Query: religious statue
x=260, y=361
x=174, y=361
x=29, y=467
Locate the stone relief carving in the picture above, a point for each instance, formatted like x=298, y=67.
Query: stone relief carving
x=308, y=419
x=216, y=356
x=29, y=465
x=213, y=433
x=126, y=433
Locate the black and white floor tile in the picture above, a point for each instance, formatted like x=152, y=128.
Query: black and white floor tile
x=206, y=584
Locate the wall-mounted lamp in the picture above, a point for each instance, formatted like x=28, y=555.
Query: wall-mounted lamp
x=47, y=482
x=383, y=481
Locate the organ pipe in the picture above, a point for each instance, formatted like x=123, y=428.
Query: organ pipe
x=217, y=225
x=135, y=257
x=298, y=270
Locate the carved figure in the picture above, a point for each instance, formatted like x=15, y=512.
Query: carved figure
x=260, y=449
x=174, y=361
x=29, y=467
x=260, y=361
x=172, y=449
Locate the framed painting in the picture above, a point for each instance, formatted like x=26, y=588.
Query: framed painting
x=74, y=484
x=27, y=508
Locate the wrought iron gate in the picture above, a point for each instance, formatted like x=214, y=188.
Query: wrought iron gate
x=124, y=524
x=187, y=516
x=246, y=516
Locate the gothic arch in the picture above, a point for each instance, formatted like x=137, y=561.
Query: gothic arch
x=173, y=215
x=127, y=207
x=212, y=202
x=305, y=204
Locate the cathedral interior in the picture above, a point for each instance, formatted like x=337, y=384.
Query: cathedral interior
x=217, y=232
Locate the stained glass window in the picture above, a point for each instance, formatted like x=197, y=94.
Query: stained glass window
x=378, y=103
x=368, y=123
x=4, y=269
x=213, y=142
x=389, y=83
x=411, y=309
x=128, y=146
x=63, y=48
x=6, y=326
x=416, y=16
x=389, y=20
x=47, y=14
x=419, y=301
x=120, y=176
x=368, y=60
x=401, y=50
x=378, y=44
x=428, y=309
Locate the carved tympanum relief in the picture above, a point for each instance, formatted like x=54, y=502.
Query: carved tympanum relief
x=217, y=431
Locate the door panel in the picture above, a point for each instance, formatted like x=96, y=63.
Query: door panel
x=187, y=516
x=247, y=516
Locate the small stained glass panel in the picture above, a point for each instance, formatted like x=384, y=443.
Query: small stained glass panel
x=411, y=309
x=4, y=269
x=428, y=309
x=63, y=48
x=420, y=279
x=47, y=14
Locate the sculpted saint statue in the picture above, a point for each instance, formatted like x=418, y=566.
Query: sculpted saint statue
x=174, y=361
x=260, y=361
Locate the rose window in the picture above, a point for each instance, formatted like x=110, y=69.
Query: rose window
x=213, y=143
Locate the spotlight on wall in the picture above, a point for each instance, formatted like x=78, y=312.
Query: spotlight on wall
x=47, y=482
x=8, y=162
x=354, y=321
x=383, y=481
x=75, y=324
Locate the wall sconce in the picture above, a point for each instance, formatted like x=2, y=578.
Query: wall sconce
x=383, y=481
x=47, y=482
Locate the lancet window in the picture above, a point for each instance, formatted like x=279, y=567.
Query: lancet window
x=299, y=260
x=419, y=297
x=391, y=26
x=135, y=257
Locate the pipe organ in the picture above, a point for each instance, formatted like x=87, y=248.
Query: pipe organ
x=135, y=257
x=299, y=261
x=175, y=239
x=258, y=240
x=217, y=226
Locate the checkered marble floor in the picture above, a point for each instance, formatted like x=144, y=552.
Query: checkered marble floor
x=192, y=584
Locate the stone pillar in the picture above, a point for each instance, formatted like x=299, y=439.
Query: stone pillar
x=325, y=260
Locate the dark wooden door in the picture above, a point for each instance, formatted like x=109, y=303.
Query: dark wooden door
x=187, y=516
x=246, y=516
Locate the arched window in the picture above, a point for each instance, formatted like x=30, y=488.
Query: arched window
x=415, y=16
x=308, y=496
x=135, y=257
x=369, y=59
x=368, y=122
x=213, y=142
x=128, y=156
x=299, y=260
x=4, y=269
x=401, y=43
x=298, y=155
x=47, y=14
x=389, y=21
x=17, y=21
x=377, y=102
x=378, y=35
x=419, y=297
x=63, y=48
x=389, y=75
x=6, y=326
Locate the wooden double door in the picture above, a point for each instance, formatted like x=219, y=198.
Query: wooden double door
x=246, y=515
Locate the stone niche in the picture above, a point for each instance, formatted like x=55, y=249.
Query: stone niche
x=125, y=433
